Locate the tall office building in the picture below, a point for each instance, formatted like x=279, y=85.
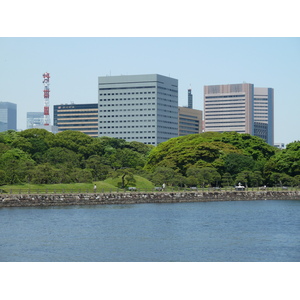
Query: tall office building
x=241, y=108
x=8, y=116
x=189, y=121
x=229, y=108
x=35, y=119
x=141, y=108
x=77, y=117
x=264, y=114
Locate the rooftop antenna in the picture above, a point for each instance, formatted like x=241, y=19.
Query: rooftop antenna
x=46, y=98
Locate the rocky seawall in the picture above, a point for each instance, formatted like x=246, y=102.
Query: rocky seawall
x=25, y=200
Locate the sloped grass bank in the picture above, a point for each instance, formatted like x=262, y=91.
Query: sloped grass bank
x=108, y=185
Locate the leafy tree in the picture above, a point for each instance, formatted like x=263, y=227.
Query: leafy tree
x=192, y=181
x=249, y=178
x=227, y=179
x=36, y=133
x=257, y=178
x=124, y=158
x=126, y=175
x=99, y=169
x=286, y=161
x=179, y=180
x=7, y=137
x=163, y=175
x=75, y=141
x=23, y=144
x=16, y=164
x=194, y=176
x=81, y=175
x=141, y=148
x=57, y=156
x=2, y=177
x=208, y=149
x=34, y=141
x=282, y=179
x=297, y=180
x=236, y=163
x=244, y=178
x=43, y=174
x=4, y=148
x=63, y=174
x=210, y=176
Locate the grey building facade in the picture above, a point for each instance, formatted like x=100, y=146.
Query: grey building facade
x=8, y=116
x=189, y=121
x=141, y=108
x=35, y=119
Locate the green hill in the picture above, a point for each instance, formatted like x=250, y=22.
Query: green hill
x=102, y=186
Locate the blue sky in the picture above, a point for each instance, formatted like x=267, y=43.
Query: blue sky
x=198, y=43
x=75, y=64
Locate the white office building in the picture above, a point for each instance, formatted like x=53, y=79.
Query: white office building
x=141, y=108
x=229, y=107
x=240, y=107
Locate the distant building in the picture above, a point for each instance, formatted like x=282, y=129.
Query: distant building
x=264, y=114
x=8, y=116
x=77, y=117
x=50, y=128
x=279, y=145
x=261, y=130
x=189, y=121
x=141, y=108
x=229, y=107
x=241, y=108
x=35, y=119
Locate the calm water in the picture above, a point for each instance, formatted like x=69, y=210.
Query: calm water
x=196, y=232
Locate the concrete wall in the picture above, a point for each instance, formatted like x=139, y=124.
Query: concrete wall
x=7, y=200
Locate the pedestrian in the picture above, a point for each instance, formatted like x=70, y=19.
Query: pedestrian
x=95, y=188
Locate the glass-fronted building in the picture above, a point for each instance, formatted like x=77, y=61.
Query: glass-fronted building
x=264, y=114
x=8, y=116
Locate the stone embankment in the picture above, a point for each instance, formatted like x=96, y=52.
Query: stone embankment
x=23, y=200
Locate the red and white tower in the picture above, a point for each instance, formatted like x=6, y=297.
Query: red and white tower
x=46, y=98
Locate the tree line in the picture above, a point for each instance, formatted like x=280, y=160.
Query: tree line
x=207, y=159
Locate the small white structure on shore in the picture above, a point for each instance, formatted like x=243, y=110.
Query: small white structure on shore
x=239, y=187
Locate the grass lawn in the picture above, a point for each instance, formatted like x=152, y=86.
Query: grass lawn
x=102, y=186
x=140, y=182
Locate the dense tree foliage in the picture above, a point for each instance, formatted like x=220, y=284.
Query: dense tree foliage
x=207, y=159
x=235, y=157
x=209, y=149
x=38, y=156
x=286, y=161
